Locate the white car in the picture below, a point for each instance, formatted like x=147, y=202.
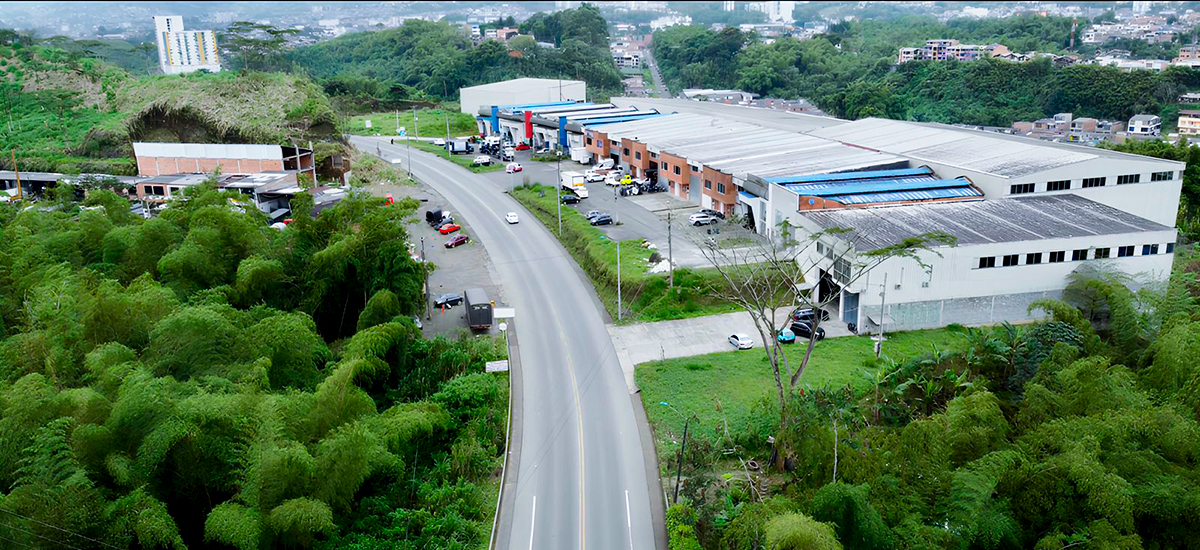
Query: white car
x=700, y=218
x=511, y=217
x=741, y=341
x=592, y=177
x=439, y=142
x=482, y=160
x=513, y=168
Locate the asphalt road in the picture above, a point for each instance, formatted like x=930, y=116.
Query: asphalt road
x=581, y=473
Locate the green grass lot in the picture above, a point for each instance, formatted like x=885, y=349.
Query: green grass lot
x=461, y=159
x=738, y=387
x=645, y=296
x=430, y=123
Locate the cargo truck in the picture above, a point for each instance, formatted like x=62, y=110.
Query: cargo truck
x=574, y=182
x=479, y=309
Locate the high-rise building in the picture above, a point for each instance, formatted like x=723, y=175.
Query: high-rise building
x=181, y=51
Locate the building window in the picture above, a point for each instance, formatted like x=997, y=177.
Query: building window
x=820, y=247
x=157, y=190
x=589, y=140
x=1170, y=248
x=1034, y=258
x=707, y=184
x=1093, y=182
x=626, y=151
x=653, y=155
x=1129, y=178
x=676, y=169
x=841, y=270
x=1162, y=176
x=989, y=261
x=1010, y=260
x=1021, y=188
x=1125, y=251
x=1062, y=185
x=1149, y=249
x=1101, y=253
x=721, y=188
x=1078, y=255
x=1056, y=257
x=694, y=169
x=637, y=155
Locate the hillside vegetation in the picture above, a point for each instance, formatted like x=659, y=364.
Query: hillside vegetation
x=200, y=380
x=74, y=114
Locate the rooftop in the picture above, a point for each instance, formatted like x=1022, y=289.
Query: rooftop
x=769, y=118
x=992, y=153
x=1143, y=118
x=880, y=186
x=983, y=222
x=519, y=84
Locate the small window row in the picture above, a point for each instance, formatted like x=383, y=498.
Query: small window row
x=1064, y=185
x=1077, y=255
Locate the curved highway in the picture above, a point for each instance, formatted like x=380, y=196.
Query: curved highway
x=579, y=477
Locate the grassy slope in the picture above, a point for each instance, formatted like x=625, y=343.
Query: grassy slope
x=430, y=122
x=740, y=380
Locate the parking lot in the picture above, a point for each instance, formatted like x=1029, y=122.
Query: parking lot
x=460, y=268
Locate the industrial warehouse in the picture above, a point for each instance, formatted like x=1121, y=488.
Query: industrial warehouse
x=1024, y=213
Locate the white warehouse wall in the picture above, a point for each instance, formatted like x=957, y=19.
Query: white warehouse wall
x=520, y=91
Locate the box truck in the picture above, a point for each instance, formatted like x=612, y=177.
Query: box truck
x=479, y=309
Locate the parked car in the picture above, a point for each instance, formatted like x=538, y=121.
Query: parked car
x=712, y=213
x=807, y=314
x=592, y=214
x=458, y=241
x=741, y=341
x=439, y=142
x=700, y=218
x=511, y=218
x=592, y=177
x=513, y=168
x=569, y=199
x=449, y=228
x=522, y=147
x=482, y=160
x=448, y=300
x=542, y=151
x=786, y=336
x=804, y=330
x=507, y=157
x=603, y=219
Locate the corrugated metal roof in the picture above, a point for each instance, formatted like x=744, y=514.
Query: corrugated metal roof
x=522, y=106
x=982, y=222
x=615, y=119
x=861, y=175
x=909, y=195
x=768, y=118
x=882, y=186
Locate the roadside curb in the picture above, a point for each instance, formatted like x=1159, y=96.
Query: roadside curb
x=513, y=448
x=654, y=486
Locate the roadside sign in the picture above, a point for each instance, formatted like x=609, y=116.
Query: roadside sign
x=368, y=121
x=400, y=131
x=496, y=366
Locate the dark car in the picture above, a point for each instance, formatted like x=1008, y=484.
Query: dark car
x=458, y=241
x=603, y=219
x=712, y=213
x=570, y=199
x=804, y=330
x=448, y=300
x=808, y=314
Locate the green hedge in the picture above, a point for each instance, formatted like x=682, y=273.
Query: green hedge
x=681, y=528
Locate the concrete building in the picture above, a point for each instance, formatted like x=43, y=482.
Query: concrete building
x=181, y=51
x=556, y=124
x=155, y=159
x=520, y=91
x=269, y=192
x=1145, y=126
x=1189, y=122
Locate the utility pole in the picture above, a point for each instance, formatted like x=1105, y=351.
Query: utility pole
x=679, y=469
x=882, y=304
x=312, y=153
x=416, y=125
x=558, y=191
x=670, y=253
x=619, y=280
x=13, y=153
x=446, y=114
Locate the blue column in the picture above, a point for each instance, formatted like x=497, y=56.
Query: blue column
x=495, y=118
x=562, y=133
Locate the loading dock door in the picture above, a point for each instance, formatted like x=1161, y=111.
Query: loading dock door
x=850, y=307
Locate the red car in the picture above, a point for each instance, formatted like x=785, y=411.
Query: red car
x=448, y=228
x=522, y=147
x=458, y=241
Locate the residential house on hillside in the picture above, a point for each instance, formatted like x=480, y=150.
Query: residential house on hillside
x=1145, y=126
x=1189, y=122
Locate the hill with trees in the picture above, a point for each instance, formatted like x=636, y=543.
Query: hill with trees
x=201, y=380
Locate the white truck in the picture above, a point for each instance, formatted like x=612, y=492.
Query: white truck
x=575, y=183
x=581, y=155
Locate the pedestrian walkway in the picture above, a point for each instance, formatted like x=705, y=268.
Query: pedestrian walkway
x=642, y=342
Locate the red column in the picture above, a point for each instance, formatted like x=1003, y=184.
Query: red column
x=528, y=126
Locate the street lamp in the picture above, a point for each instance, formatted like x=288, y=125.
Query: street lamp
x=679, y=470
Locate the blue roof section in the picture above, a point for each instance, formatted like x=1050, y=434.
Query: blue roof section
x=902, y=196
x=879, y=186
x=520, y=106
x=559, y=107
x=864, y=175
x=612, y=120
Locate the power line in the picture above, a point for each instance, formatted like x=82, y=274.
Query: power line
x=84, y=537
x=40, y=537
x=15, y=542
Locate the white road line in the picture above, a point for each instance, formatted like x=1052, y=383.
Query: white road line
x=532, y=521
x=628, y=519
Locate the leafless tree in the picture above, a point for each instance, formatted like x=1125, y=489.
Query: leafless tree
x=768, y=277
